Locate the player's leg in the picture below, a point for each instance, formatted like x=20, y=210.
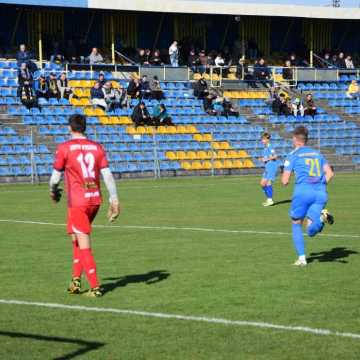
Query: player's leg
x=77, y=268
x=299, y=207
x=266, y=185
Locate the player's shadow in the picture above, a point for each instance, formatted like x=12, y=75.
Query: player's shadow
x=282, y=202
x=152, y=277
x=337, y=254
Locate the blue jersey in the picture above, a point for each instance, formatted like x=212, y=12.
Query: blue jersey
x=268, y=152
x=308, y=166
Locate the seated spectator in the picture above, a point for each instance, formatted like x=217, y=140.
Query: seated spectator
x=310, y=108
x=98, y=97
x=353, y=91
x=57, y=54
x=95, y=57
x=101, y=79
x=41, y=87
x=261, y=71
x=24, y=75
x=334, y=60
x=201, y=89
x=155, y=87
x=341, y=61
x=327, y=62
x=140, y=115
x=161, y=117
x=208, y=103
x=287, y=71
x=140, y=57
x=293, y=60
x=66, y=92
x=193, y=61
x=349, y=62
x=134, y=89
x=112, y=101
x=280, y=105
x=220, y=61
x=145, y=87
x=218, y=105
x=53, y=90
x=228, y=108
x=203, y=60
x=27, y=96
x=24, y=56
x=155, y=60
x=122, y=98
x=297, y=107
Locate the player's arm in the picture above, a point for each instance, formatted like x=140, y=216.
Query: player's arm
x=288, y=168
x=114, y=209
x=285, y=179
x=55, y=191
x=329, y=174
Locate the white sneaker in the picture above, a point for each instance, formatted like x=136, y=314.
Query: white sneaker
x=268, y=202
x=300, y=262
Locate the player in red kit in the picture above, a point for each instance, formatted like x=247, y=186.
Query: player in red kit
x=82, y=162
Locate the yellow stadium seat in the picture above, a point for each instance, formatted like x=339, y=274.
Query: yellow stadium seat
x=232, y=76
x=198, y=137
x=206, y=76
x=131, y=130
x=74, y=83
x=201, y=155
x=186, y=165
x=207, y=137
x=237, y=164
x=243, y=154
x=224, y=145
x=191, y=129
x=84, y=102
x=206, y=165
x=181, y=129
x=181, y=155
x=232, y=154
x=140, y=130
x=228, y=164
x=161, y=130
x=248, y=163
x=197, y=76
x=149, y=130
x=216, y=145
x=78, y=92
x=171, y=130
x=215, y=77
x=218, y=164
x=221, y=154
x=191, y=155
x=171, y=155
x=196, y=165
x=115, y=84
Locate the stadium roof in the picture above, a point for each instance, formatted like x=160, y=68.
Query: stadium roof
x=225, y=7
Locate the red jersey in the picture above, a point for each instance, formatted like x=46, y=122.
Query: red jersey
x=81, y=160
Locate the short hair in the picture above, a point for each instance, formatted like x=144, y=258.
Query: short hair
x=266, y=135
x=301, y=133
x=77, y=123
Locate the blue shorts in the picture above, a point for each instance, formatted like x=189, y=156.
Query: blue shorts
x=308, y=202
x=270, y=172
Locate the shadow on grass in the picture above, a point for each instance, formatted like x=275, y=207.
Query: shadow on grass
x=84, y=346
x=282, y=202
x=152, y=277
x=334, y=255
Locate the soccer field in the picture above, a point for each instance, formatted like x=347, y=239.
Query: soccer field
x=194, y=268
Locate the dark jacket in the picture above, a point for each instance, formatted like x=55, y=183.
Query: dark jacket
x=138, y=114
x=155, y=60
x=97, y=93
x=193, y=60
x=25, y=77
x=261, y=72
x=133, y=88
x=23, y=57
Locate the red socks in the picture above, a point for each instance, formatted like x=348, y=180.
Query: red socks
x=89, y=265
x=77, y=266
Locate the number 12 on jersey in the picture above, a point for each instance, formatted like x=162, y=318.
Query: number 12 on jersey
x=314, y=167
x=87, y=163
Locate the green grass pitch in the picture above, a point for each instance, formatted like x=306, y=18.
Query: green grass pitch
x=184, y=271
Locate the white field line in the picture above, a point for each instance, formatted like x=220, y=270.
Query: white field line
x=177, y=228
x=210, y=320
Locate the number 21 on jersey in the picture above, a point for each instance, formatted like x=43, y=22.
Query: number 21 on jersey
x=87, y=163
x=314, y=167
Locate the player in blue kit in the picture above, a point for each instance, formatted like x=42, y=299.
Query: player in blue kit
x=312, y=174
x=271, y=167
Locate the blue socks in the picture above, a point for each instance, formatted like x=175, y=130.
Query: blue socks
x=268, y=191
x=298, y=239
x=315, y=227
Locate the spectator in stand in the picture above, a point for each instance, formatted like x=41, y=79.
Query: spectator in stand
x=147, y=57
x=334, y=60
x=155, y=60
x=220, y=62
x=310, y=108
x=23, y=56
x=56, y=53
x=95, y=57
x=53, y=91
x=341, y=61
x=353, y=91
x=208, y=103
x=140, y=57
x=241, y=69
x=97, y=96
x=327, y=63
x=161, y=117
x=27, y=95
x=145, y=88
x=101, y=79
x=201, y=89
x=280, y=105
x=229, y=109
x=174, y=54
x=110, y=97
x=24, y=75
x=41, y=87
x=262, y=72
x=218, y=105
x=203, y=59
x=140, y=115
x=155, y=87
x=349, y=62
x=193, y=61
x=121, y=97
x=66, y=92
x=287, y=71
x=134, y=89
x=297, y=107
x=293, y=60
